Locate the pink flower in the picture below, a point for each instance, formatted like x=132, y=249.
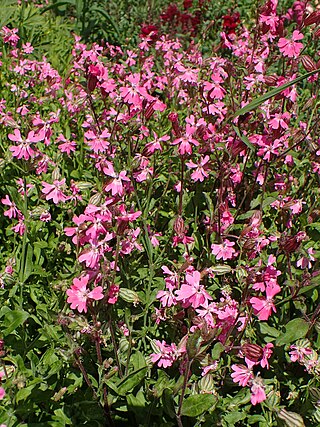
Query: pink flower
x=78, y=294
x=115, y=185
x=13, y=211
x=224, y=251
x=98, y=143
x=267, y=353
x=304, y=262
x=241, y=375
x=264, y=306
x=24, y=149
x=20, y=228
x=258, y=394
x=113, y=294
x=291, y=48
x=10, y=36
x=199, y=174
x=45, y=216
x=166, y=355
x=299, y=354
x=193, y=293
x=54, y=192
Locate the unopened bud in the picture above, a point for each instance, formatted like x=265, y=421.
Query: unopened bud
x=178, y=226
x=313, y=18
x=270, y=80
x=252, y=351
x=316, y=34
x=149, y=111
x=56, y=174
x=308, y=63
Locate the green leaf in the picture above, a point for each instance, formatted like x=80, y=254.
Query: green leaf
x=168, y=402
x=131, y=381
x=217, y=350
x=294, y=330
x=234, y=417
x=13, y=320
x=243, y=138
x=265, y=329
x=261, y=99
x=28, y=267
x=197, y=404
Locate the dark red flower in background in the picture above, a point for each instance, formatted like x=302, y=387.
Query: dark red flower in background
x=230, y=22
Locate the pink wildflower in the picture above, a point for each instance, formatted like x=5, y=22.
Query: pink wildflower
x=291, y=48
x=2, y=393
x=304, y=262
x=78, y=294
x=54, y=192
x=298, y=353
x=10, y=36
x=241, y=375
x=193, y=293
x=115, y=185
x=24, y=149
x=258, y=394
x=200, y=172
x=20, y=228
x=166, y=355
x=264, y=306
x=224, y=251
x=13, y=211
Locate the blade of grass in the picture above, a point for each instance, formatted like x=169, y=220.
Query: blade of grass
x=261, y=99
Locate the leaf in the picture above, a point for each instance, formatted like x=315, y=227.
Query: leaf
x=168, y=402
x=265, y=329
x=295, y=329
x=197, y=404
x=244, y=138
x=28, y=267
x=234, y=417
x=261, y=99
x=217, y=350
x=131, y=381
x=14, y=319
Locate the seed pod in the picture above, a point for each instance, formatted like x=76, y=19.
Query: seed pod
x=129, y=295
x=308, y=63
x=315, y=394
x=95, y=199
x=206, y=384
x=291, y=419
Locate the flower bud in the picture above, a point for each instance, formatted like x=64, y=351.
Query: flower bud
x=313, y=18
x=308, y=63
x=178, y=226
x=271, y=80
x=252, y=351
